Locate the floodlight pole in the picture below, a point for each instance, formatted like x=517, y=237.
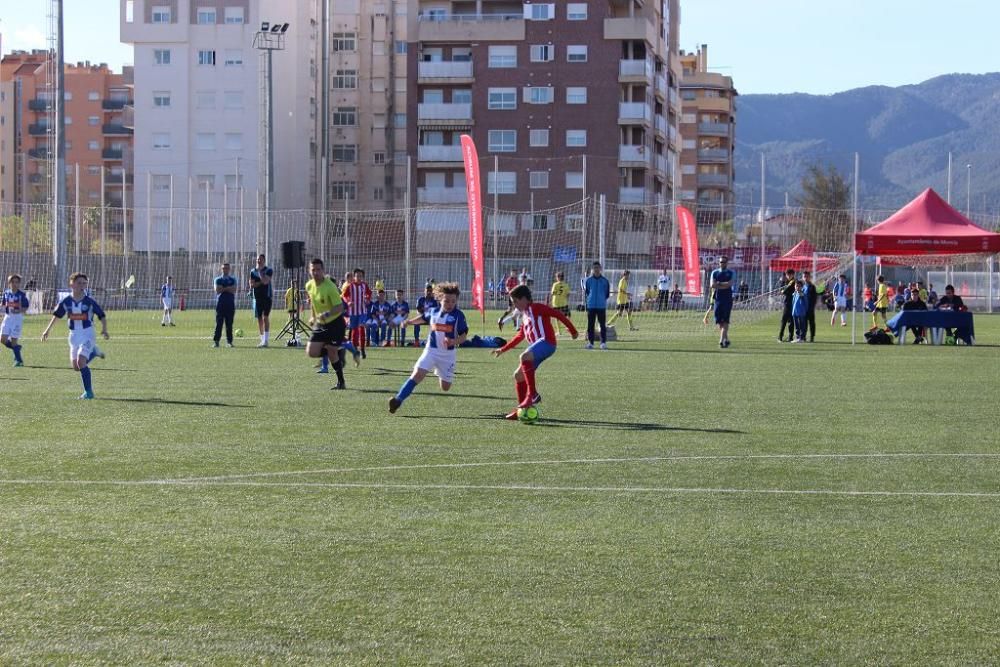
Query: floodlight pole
x=268, y=41
x=59, y=229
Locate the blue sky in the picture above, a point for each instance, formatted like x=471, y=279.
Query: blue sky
x=768, y=46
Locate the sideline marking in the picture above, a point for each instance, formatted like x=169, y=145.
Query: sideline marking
x=644, y=459
x=505, y=487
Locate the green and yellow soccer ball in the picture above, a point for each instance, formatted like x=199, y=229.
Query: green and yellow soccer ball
x=528, y=415
x=238, y=333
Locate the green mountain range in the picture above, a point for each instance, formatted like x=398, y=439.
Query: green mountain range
x=903, y=136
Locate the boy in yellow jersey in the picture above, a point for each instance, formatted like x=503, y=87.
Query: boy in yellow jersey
x=881, y=303
x=327, y=320
x=560, y=296
x=623, y=300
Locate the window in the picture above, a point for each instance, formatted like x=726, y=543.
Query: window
x=574, y=222
x=68, y=95
x=234, y=15
x=689, y=144
x=344, y=41
x=542, y=53
x=129, y=11
x=161, y=56
x=69, y=120
x=378, y=157
x=576, y=53
x=540, y=222
x=233, y=182
x=343, y=190
x=461, y=96
x=161, y=14
x=576, y=137
x=206, y=16
x=502, y=99
x=161, y=140
x=93, y=170
x=689, y=118
x=501, y=183
x=94, y=194
x=234, y=57
x=234, y=141
x=502, y=56
x=538, y=180
x=93, y=96
x=204, y=141
x=689, y=95
x=206, y=57
x=538, y=95
x=161, y=99
x=540, y=12
x=93, y=121
x=205, y=181
x=502, y=141
x=345, y=153
x=378, y=194
x=538, y=138
x=576, y=11
x=400, y=120
x=574, y=180
x=93, y=145
x=576, y=95
x=161, y=182
x=204, y=99
x=345, y=116
x=345, y=78
x=400, y=48
x=232, y=99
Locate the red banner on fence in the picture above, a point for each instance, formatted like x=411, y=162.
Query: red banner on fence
x=689, y=246
x=474, y=195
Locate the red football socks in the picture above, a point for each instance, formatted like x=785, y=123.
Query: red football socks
x=528, y=370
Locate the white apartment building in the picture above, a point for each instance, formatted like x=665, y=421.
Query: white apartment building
x=198, y=135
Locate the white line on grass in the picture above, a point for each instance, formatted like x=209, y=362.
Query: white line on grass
x=501, y=487
x=644, y=459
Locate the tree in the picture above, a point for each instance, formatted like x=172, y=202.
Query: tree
x=826, y=202
x=12, y=229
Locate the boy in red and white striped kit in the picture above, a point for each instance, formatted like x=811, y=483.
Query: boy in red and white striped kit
x=536, y=328
x=358, y=296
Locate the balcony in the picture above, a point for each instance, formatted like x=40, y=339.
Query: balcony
x=632, y=156
x=452, y=71
x=674, y=100
x=441, y=195
x=115, y=105
x=40, y=153
x=36, y=178
x=663, y=164
x=672, y=135
x=635, y=71
x=38, y=104
x=632, y=113
x=713, y=180
x=38, y=129
x=632, y=196
x=111, y=154
x=713, y=155
x=662, y=86
x=661, y=125
x=116, y=129
x=714, y=129
x=470, y=28
x=628, y=28
x=441, y=113
x=439, y=153
x=115, y=180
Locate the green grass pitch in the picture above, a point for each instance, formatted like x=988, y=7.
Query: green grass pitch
x=675, y=504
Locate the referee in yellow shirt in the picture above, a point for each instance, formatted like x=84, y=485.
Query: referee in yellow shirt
x=624, y=302
x=881, y=303
x=327, y=320
x=559, y=298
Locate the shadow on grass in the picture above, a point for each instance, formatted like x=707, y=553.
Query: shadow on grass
x=583, y=423
x=164, y=401
x=437, y=394
x=13, y=379
x=90, y=365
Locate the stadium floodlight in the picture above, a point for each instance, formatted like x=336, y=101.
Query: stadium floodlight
x=265, y=26
x=284, y=29
x=269, y=39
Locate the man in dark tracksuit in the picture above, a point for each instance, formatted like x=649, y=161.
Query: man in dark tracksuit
x=225, y=305
x=809, y=287
x=787, y=290
x=597, y=290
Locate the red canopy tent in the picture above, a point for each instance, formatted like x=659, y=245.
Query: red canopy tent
x=927, y=226
x=802, y=257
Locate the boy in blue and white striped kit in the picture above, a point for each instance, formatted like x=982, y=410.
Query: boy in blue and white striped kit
x=80, y=310
x=167, y=297
x=15, y=304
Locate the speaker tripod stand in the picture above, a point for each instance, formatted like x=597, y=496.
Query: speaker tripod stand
x=294, y=326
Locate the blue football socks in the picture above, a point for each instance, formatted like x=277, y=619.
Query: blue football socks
x=406, y=390
x=85, y=375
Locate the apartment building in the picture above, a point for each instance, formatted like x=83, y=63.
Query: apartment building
x=368, y=110
x=708, y=125
x=98, y=130
x=563, y=99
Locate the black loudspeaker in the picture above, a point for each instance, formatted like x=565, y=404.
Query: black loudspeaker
x=293, y=254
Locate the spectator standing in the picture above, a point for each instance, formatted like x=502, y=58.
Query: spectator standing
x=596, y=291
x=800, y=307
x=676, y=297
x=663, y=290
x=225, y=305
x=787, y=289
x=840, y=289
x=881, y=303
x=812, y=296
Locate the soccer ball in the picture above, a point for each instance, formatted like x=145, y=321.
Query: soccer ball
x=528, y=415
x=238, y=333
